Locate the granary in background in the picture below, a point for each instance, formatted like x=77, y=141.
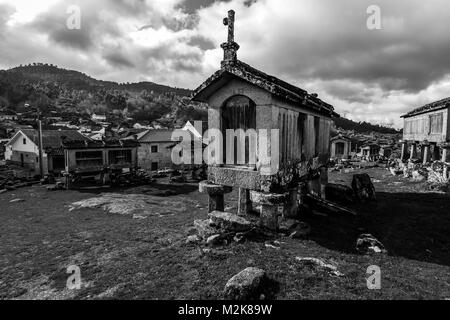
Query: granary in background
x=87, y=158
x=343, y=147
x=242, y=97
x=426, y=133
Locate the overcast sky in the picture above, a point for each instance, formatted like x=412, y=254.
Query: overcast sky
x=323, y=46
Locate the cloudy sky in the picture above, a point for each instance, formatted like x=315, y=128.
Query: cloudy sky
x=323, y=46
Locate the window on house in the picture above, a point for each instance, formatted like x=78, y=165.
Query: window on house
x=119, y=156
x=24, y=141
x=154, y=149
x=154, y=166
x=89, y=158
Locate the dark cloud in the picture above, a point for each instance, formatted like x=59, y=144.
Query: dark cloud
x=409, y=53
x=323, y=46
x=191, y=6
x=202, y=43
x=117, y=59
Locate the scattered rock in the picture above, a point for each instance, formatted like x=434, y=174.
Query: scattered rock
x=193, y=239
x=246, y=285
x=285, y=226
x=239, y=237
x=301, y=231
x=367, y=244
x=204, y=228
x=214, y=240
x=3, y=191
x=271, y=245
x=319, y=263
x=17, y=200
x=139, y=217
x=418, y=176
x=229, y=222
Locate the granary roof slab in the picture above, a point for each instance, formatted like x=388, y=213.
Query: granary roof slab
x=275, y=86
x=434, y=106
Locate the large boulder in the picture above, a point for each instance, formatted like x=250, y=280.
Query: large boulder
x=363, y=187
x=368, y=244
x=246, y=285
x=229, y=221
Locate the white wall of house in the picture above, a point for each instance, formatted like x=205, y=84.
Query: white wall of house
x=22, y=150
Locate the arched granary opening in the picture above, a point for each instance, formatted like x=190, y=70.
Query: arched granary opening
x=238, y=112
x=340, y=147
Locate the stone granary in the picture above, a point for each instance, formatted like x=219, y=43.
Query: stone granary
x=341, y=147
x=426, y=133
x=242, y=97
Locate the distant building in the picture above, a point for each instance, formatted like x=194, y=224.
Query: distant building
x=23, y=149
x=386, y=150
x=90, y=158
x=155, y=151
x=8, y=115
x=369, y=151
x=426, y=132
x=98, y=117
x=341, y=147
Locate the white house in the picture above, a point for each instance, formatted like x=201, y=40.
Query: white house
x=98, y=117
x=189, y=127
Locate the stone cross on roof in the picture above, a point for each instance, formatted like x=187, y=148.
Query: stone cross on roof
x=230, y=23
x=230, y=47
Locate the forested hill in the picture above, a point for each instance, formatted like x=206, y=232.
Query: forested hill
x=75, y=80
x=67, y=91
x=363, y=127
x=55, y=89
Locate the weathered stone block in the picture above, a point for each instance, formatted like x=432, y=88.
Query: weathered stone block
x=229, y=221
x=246, y=285
x=204, y=228
x=213, y=189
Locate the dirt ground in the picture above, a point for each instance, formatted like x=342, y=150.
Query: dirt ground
x=139, y=251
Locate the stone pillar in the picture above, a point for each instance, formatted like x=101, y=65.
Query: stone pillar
x=413, y=151
x=426, y=153
x=269, y=208
x=291, y=207
x=323, y=181
x=445, y=154
x=216, y=195
x=244, y=202
x=302, y=192
x=404, y=151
